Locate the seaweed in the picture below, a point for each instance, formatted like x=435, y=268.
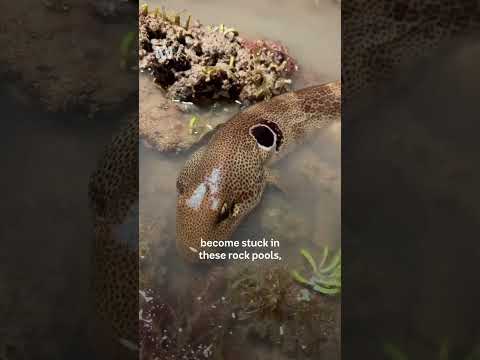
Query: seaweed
x=326, y=275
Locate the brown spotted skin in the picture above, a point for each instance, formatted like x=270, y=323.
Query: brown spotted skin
x=225, y=180
x=381, y=36
x=113, y=192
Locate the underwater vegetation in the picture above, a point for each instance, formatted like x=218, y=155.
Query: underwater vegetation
x=326, y=275
x=196, y=63
x=259, y=295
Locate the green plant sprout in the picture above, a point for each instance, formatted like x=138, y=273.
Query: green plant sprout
x=192, y=124
x=174, y=18
x=326, y=275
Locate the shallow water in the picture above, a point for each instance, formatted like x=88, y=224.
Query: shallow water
x=307, y=215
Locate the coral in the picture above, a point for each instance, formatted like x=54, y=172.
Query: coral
x=326, y=277
x=193, y=62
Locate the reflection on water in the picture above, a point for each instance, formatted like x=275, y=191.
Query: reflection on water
x=306, y=215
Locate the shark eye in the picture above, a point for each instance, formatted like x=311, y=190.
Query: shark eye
x=180, y=186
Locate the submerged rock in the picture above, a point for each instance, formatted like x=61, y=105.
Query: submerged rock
x=161, y=122
x=193, y=62
x=166, y=125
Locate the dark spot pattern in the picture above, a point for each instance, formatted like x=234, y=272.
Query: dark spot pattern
x=113, y=190
x=380, y=36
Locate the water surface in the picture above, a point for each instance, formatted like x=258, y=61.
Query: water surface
x=307, y=215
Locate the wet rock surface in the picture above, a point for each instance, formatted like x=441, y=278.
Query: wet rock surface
x=165, y=125
x=161, y=122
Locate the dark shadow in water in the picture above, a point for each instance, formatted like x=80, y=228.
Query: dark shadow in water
x=46, y=229
x=410, y=221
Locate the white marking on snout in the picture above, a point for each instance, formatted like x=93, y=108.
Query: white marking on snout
x=197, y=197
x=215, y=203
x=213, y=180
x=212, y=184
